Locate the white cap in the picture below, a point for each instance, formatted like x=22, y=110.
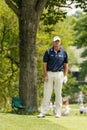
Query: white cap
x=56, y=38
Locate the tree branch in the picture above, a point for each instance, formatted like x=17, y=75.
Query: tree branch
x=13, y=4
x=18, y=2
x=40, y=4
x=13, y=60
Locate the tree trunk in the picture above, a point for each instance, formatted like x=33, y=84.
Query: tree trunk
x=28, y=73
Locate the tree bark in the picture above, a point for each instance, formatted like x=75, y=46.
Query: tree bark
x=28, y=22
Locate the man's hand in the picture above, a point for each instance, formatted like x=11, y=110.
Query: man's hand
x=46, y=78
x=65, y=79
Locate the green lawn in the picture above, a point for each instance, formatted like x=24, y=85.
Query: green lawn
x=74, y=121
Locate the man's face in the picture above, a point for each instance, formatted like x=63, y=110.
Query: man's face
x=57, y=43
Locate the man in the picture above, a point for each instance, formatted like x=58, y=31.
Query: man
x=55, y=66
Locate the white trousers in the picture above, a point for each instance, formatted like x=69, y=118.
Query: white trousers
x=55, y=81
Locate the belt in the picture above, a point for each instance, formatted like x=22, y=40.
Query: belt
x=56, y=70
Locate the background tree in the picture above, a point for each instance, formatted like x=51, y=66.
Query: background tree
x=81, y=41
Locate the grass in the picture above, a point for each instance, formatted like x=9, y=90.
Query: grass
x=74, y=121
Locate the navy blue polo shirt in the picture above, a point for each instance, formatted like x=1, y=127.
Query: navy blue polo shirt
x=55, y=60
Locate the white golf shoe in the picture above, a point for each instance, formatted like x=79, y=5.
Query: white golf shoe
x=41, y=115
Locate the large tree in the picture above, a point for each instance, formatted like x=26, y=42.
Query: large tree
x=29, y=13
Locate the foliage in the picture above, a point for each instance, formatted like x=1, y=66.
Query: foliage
x=84, y=89
x=8, y=55
x=82, y=4
x=71, y=87
x=53, y=13
x=81, y=27
x=81, y=41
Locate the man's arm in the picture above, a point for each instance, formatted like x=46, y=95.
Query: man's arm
x=45, y=71
x=65, y=69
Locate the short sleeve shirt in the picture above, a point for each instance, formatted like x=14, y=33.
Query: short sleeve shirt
x=55, y=60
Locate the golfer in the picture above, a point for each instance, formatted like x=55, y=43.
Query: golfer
x=55, y=67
